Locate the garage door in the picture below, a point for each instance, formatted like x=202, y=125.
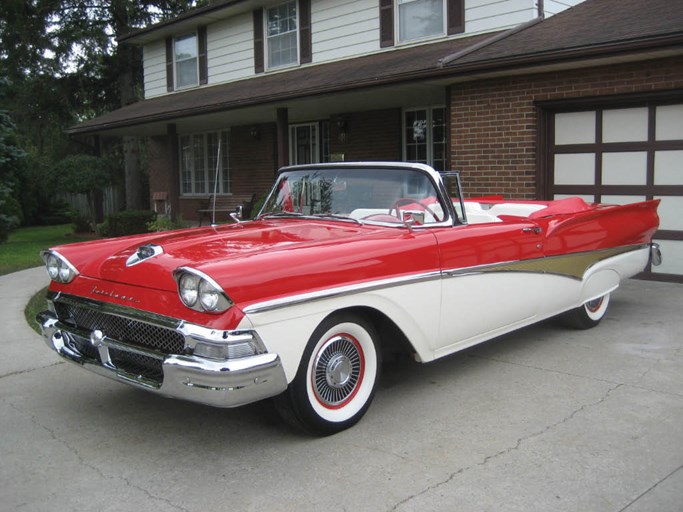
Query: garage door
x=621, y=155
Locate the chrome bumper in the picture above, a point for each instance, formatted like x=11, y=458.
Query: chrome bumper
x=219, y=383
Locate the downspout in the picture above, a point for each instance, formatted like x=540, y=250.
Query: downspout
x=448, y=59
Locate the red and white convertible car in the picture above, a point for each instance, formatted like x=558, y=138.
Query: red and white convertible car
x=345, y=263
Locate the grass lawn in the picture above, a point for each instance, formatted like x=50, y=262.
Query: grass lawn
x=22, y=249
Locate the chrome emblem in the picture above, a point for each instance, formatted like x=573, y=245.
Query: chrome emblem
x=143, y=253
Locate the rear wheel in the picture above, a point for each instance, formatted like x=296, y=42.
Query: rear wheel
x=588, y=315
x=336, y=379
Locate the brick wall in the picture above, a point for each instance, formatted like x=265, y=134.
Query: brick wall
x=371, y=136
x=493, y=122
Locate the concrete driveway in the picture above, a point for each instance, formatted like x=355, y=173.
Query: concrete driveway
x=545, y=419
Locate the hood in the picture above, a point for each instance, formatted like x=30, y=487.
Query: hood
x=231, y=254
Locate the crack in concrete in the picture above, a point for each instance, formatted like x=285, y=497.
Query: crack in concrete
x=652, y=488
x=29, y=370
x=510, y=449
x=594, y=379
x=88, y=465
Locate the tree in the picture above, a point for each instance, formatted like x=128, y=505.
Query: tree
x=65, y=66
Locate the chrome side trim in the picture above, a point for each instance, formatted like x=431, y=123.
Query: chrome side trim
x=572, y=266
x=262, y=307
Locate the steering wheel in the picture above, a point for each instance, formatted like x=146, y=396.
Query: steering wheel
x=404, y=201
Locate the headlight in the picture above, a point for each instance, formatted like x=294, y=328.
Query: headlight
x=199, y=292
x=188, y=288
x=58, y=267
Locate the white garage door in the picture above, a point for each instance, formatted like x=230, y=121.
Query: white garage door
x=621, y=155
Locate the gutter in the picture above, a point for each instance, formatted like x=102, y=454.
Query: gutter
x=448, y=59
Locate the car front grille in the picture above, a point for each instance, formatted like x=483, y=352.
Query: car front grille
x=124, y=330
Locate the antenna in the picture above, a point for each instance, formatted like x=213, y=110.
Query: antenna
x=215, y=184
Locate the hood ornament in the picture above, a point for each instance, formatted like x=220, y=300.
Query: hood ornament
x=143, y=253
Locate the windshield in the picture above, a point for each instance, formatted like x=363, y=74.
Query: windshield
x=361, y=194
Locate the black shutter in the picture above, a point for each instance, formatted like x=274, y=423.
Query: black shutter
x=169, y=64
x=203, y=60
x=386, y=23
x=258, y=41
x=305, y=50
x=456, y=16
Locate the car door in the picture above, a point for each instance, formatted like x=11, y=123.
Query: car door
x=492, y=280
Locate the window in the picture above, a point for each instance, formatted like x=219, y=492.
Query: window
x=424, y=136
x=309, y=143
x=303, y=144
x=199, y=154
x=186, y=59
x=414, y=20
x=418, y=19
x=282, y=35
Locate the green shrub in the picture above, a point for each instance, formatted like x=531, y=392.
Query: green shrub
x=81, y=224
x=164, y=223
x=133, y=222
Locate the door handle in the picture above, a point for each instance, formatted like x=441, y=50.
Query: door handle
x=536, y=230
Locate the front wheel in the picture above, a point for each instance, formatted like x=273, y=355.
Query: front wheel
x=336, y=379
x=588, y=315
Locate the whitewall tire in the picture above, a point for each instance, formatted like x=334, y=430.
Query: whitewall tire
x=337, y=376
x=589, y=314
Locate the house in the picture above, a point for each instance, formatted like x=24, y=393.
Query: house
x=527, y=98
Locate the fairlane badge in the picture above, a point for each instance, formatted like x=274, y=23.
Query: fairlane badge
x=112, y=295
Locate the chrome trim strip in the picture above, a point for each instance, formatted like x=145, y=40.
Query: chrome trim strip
x=551, y=265
x=262, y=307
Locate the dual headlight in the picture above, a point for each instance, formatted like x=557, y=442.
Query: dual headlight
x=58, y=267
x=199, y=292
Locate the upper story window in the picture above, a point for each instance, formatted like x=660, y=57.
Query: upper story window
x=404, y=21
x=186, y=61
x=418, y=19
x=282, y=35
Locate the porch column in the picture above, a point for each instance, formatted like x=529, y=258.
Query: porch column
x=282, y=137
x=174, y=185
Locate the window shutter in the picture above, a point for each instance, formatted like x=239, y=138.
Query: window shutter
x=305, y=50
x=258, y=41
x=169, y=64
x=203, y=60
x=386, y=23
x=456, y=16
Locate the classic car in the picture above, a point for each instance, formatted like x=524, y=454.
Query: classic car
x=345, y=264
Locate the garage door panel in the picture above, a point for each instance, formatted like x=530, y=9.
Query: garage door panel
x=624, y=155
x=669, y=167
x=624, y=168
x=672, y=254
x=575, y=169
x=625, y=125
x=669, y=122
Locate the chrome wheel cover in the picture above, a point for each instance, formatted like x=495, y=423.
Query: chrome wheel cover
x=338, y=371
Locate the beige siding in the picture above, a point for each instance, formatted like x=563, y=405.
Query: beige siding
x=154, y=62
x=488, y=15
x=230, y=47
x=554, y=6
x=344, y=29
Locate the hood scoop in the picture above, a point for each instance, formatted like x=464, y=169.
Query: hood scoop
x=143, y=253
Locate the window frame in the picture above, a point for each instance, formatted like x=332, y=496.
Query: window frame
x=176, y=61
x=429, y=138
x=267, y=37
x=397, y=24
x=208, y=164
